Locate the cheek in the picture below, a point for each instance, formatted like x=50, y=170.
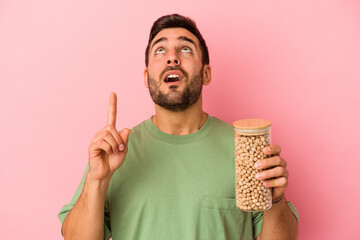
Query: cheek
x=154, y=69
x=193, y=69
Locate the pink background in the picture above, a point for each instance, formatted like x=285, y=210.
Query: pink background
x=295, y=63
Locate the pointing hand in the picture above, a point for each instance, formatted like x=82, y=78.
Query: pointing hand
x=108, y=148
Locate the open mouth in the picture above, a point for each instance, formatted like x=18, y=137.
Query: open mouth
x=173, y=77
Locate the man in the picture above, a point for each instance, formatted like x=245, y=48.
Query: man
x=178, y=179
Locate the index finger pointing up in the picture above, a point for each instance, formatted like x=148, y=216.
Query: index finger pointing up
x=111, y=119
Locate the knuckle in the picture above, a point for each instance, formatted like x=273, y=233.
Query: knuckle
x=111, y=127
x=107, y=148
x=264, y=163
x=98, y=133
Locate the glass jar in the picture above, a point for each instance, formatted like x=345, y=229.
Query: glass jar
x=251, y=137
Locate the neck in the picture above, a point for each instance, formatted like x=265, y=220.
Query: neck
x=180, y=123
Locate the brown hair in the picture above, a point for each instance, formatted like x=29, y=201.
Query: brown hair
x=177, y=21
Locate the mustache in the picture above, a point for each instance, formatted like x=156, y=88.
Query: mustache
x=170, y=68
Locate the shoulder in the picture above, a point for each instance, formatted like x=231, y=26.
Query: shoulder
x=138, y=128
x=138, y=132
x=221, y=125
x=221, y=131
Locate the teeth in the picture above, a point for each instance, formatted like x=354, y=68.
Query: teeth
x=173, y=76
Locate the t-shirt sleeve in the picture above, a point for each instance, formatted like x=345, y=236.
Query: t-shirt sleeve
x=294, y=211
x=67, y=208
x=257, y=219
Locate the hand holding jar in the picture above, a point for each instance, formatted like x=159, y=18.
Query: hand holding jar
x=274, y=172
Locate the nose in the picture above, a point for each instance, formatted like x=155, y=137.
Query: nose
x=173, y=59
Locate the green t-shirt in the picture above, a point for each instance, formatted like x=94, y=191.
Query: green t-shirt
x=176, y=187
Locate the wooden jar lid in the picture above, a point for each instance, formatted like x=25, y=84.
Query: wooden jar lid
x=252, y=124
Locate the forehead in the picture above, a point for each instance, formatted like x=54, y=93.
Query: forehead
x=172, y=34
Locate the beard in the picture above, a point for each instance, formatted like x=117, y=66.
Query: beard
x=176, y=100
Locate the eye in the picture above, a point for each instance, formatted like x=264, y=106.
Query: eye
x=186, y=49
x=159, y=50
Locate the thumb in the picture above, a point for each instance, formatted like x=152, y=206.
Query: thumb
x=124, y=134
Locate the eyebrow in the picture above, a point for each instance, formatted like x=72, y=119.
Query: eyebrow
x=181, y=38
x=159, y=40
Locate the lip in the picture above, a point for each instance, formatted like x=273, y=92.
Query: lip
x=173, y=72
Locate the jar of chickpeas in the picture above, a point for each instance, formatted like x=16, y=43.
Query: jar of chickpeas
x=251, y=137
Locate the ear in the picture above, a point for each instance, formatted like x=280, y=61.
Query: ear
x=146, y=78
x=206, y=74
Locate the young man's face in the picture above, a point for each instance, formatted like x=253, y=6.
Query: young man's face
x=175, y=73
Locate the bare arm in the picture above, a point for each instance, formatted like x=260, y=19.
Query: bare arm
x=86, y=219
x=107, y=153
x=279, y=223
